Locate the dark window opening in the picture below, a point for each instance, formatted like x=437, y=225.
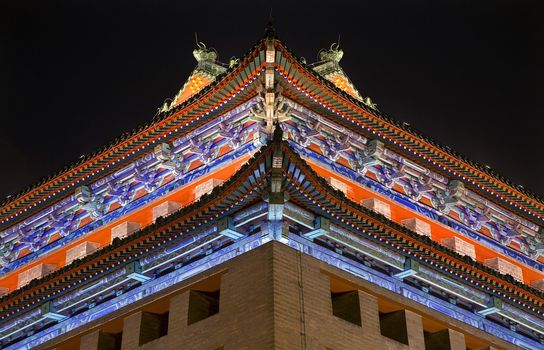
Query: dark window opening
x=202, y=305
x=438, y=340
x=109, y=341
x=393, y=326
x=345, y=305
x=153, y=326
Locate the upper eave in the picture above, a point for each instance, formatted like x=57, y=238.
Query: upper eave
x=322, y=96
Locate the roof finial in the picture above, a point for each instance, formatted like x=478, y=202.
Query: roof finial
x=333, y=54
x=270, y=31
x=202, y=53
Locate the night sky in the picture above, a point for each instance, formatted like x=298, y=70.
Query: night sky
x=76, y=74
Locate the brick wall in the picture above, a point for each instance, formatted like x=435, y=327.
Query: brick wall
x=378, y=206
x=337, y=184
x=206, y=187
x=276, y=298
x=538, y=284
x=165, y=209
x=37, y=271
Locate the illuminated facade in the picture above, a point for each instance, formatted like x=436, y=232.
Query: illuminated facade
x=269, y=204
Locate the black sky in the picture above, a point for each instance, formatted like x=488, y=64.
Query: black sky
x=76, y=74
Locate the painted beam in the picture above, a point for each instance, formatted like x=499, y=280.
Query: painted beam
x=494, y=306
x=48, y=311
x=322, y=227
x=411, y=267
x=134, y=271
x=225, y=227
